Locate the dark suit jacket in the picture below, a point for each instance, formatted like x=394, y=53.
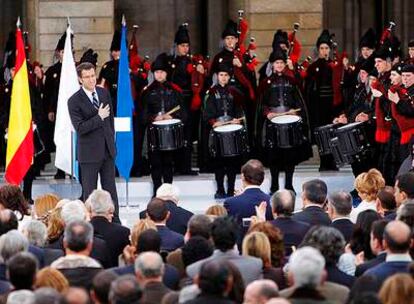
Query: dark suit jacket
x=81, y=276
x=99, y=250
x=178, y=219
x=170, y=240
x=386, y=269
x=208, y=299
x=293, y=232
x=38, y=253
x=345, y=226
x=153, y=293
x=171, y=277
x=360, y=269
x=313, y=215
x=94, y=134
x=115, y=235
x=52, y=255
x=337, y=276
x=390, y=215
x=243, y=205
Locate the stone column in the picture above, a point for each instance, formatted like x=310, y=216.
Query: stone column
x=92, y=23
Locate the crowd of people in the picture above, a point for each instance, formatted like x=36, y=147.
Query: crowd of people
x=254, y=248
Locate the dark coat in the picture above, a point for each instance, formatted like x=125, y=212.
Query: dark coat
x=154, y=292
x=80, y=277
x=170, y=240
x=337, y=276
x=94, y=135
x=115, y=235
x=360, y=269
x=386, y=269
x=178, y=219
x=313, y=215
x=208, y=299
x=293, y=232
x=345, y=226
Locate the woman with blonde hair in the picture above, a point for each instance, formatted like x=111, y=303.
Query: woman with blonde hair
x=43, y=205
x=55, y=226
x=367, y=184
x=216, y=211
x=398, y=289
x=130, y=251
x=50, y=277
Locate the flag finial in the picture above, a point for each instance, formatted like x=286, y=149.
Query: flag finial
x=18, y=23
x=123, y=20
x=68, y=22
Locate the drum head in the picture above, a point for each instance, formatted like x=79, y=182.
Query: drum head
x=285, y=119
x=167, y=122
x=350, y=125
x=228, y=128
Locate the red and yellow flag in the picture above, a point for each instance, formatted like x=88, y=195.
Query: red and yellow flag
x=19, y=155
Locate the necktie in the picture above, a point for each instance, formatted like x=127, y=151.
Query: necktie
x=95, y=100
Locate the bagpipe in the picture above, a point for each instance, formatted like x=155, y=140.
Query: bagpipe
x=197, y=78
x=337, y=72
x=406, y=124
x=295, y=47
x=139, y=66
x=387, y=33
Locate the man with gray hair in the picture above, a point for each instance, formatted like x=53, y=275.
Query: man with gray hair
x=125, y=289
x=306, y=274
x=115, y=235
x=77, y=266
x=260, y=291
x=11, y=243
x=283, y=205
x=48, y=295
x=76, y=211
x=339, y=210
x=149, y=269
x=21, y=297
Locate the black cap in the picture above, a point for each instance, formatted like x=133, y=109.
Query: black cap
x=408, y=68
x=10, y=51
x=384, y=51
x=224, y=68
x=398, y=68
x=160, y=63
x=396, y=47
x=325, y=37
x=182, y=35
x=278, y=54
x=369, y=39
x=116, y=41
x=280, y=37
x=374, y=73
x=89, y=56
x=368, y=65
x=230, y=30
x=411, y=43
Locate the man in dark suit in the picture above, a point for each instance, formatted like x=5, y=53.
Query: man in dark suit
x=386, y=204
x=91, y=113
x=115, y=235
x=283, y=204
x=314, y=194
x=339, y=208
x=149, y=269
x=377, y=247
x=397, y=241
x=244, y=205
x=179, y=216
x=157, y=211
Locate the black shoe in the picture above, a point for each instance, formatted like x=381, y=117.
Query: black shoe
x=220, y=195
x=59, y=175
x=189, y=172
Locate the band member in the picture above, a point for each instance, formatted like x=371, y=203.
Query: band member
x=222, y=107
x=51, y=94
x=362, y=109
x=92, y=117
x=319, y=93
x=280, y=94
x=387, y=133
x=160, y=97
x=108, y=77
x=410, y=59
x=181, y=68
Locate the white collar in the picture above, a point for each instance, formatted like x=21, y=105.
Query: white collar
x=251, y=187
x=398, y=257
x=89, y=93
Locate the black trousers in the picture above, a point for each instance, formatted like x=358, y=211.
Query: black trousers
x=161, y=163
x=89, y=180
x=229, y=166
x=274, y=172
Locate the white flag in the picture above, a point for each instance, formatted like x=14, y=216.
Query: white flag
x=68, y=86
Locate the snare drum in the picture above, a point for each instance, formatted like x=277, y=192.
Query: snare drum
x=285, y=131
x=166, y=135
x=323, y=136
x=351, y=142
x=228, y=140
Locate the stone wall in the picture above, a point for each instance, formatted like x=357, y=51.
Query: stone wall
x=266, y=16
x=92, y=23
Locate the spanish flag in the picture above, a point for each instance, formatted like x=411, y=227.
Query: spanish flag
x=19, y=154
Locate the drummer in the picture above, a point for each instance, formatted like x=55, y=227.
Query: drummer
x=222, y=107
x=279, y=95
x=159, y=98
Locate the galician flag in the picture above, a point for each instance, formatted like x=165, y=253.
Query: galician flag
x=20, y=149
x=68, y=86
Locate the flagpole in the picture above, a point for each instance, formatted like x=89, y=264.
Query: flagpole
x=127, y=193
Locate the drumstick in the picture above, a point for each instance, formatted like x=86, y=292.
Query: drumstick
x=229, y=122
x=173, y=110
x=288, y=112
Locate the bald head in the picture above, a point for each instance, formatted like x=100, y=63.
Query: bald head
x=283, y=202
x=149, y=266
x=397, y=237
x=260, y=291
